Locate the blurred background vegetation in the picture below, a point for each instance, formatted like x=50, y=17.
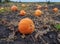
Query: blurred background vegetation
x=4, y=1
x=47, y=2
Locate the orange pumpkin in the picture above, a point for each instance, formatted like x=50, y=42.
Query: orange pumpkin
x=14, y=8
x=46, y=7
x=28, y=5
x=22, y=12
x=38, y=13
x=55, y=10
x=23, y=5
x=39, y=7
x=26, y=26
x=1, y=8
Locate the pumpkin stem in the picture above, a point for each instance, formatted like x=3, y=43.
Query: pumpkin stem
x=23, y=36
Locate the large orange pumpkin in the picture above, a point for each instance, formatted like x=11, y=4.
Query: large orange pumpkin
x=55, y=10
x=38, y=13
x=26, y=26
x=14, y=8
x=22, y=12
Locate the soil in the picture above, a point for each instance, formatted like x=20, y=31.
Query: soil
x=45, y=32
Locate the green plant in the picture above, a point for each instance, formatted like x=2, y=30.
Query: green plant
x=2, y=10
x=57, y=26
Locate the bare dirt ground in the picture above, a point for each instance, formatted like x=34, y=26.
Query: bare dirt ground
x=45, y=32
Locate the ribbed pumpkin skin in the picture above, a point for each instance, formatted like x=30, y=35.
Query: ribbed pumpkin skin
x=55, y=10
x=26, y=26
x=14, y=8
x=22, y=12
x=38, y=13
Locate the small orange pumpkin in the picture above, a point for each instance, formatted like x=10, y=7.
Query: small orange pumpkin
x=38, y=13
x=46, y=7
x=39, y=7
x=55, y=10
x=14, y=8
x=28, y=5
x=23, y=5
x=22, y=12
x=26, y=26
x=1, y=8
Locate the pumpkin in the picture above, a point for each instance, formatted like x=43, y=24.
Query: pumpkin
x=26, y=26
x=22, y=12
x=1, y=8
x=46, y=7
x=39, y=7
x=14, y=8
x=23, y=5
x=55, y=10
x=28, y=5
x=38, y=13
